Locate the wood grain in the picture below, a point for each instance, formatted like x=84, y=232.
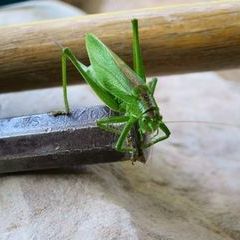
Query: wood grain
x=175, y=39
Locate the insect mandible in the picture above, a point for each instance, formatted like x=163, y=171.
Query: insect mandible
x=122, y=89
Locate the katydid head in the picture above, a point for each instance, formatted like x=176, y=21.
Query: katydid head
x=149, y=121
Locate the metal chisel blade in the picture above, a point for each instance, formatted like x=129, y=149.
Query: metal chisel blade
x=45, y=141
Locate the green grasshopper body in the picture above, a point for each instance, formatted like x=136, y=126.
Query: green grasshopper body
x=122, y=89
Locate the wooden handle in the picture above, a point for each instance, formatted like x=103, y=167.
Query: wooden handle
x=174, y=39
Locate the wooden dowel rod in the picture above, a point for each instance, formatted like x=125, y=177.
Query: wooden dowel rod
x=174, y=39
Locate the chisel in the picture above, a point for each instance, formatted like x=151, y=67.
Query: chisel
x=48, y=141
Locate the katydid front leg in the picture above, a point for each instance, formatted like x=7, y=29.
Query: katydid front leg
x=107, y=124
x=166, y=132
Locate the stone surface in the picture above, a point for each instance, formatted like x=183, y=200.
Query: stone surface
x=189, y=188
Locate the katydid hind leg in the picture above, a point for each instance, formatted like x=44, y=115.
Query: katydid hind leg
x=106, y=97
x=64, y=83
x=137, y=54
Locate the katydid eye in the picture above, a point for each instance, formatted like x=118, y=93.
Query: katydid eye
x=146, y=120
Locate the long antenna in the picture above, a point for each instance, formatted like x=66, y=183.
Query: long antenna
x=204, y=122
x=57, y=43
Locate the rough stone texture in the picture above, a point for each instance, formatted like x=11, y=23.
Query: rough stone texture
x=189, y=189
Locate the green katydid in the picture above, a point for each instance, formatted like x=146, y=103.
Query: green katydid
x=122, y=89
